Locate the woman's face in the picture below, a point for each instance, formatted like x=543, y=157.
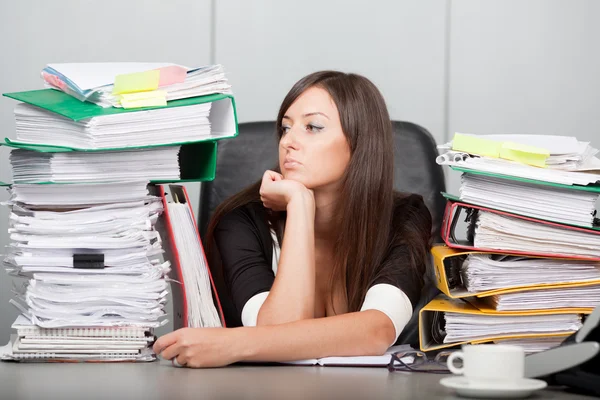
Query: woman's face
x=313, y=149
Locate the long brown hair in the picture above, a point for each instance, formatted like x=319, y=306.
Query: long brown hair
x=366, y=219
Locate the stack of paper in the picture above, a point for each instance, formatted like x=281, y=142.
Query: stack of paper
x=32, y=343
x=60, y=196
x=141, y=128
x=99, y=166
x=533, y=345
x=82, y=221
x=461, y=327
x=575, y=297
x=482, y=272
x=446, y=322
x=546, y=151
x=99, y=82
x=93, y=268
x=567, y=206
x=495, y=231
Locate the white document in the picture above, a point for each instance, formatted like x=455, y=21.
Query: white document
x=13, y=351
x=159, y=126
x=201, y=309
x=93, y=82
x=467, y=327
x=349, y=361
x=575, y=297
x=494, y=231
x=533, y=345
x=76, y=167
x=574, y=207
x=482, y=272
x=92, y=75
x=66, y=196
x=511, y=168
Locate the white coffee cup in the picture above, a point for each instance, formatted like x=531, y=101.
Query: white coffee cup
x=489, y=362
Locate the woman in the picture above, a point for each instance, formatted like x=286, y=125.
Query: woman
x=349, y=270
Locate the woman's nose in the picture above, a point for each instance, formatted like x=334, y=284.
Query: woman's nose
x=290, y=138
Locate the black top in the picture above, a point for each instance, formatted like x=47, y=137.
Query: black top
x=245, y=245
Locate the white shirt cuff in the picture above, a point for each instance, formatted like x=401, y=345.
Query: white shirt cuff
x=391, y=301
x=252, y=307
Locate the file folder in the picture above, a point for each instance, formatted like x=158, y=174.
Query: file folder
x=480, y=304
x=452, y=215
x=587, y=188
x=447, y=262
x=197, y=160
x=431, y=323
x=165, y=226
x=457, y=199
x=68, y=106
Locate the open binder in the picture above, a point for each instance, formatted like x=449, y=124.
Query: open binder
x=68, y=106
x=453, y=238
x=448, y=263
x=433, y=330
x=595, y=188
x=197, y=158
x=576, y=205
x=185, y=246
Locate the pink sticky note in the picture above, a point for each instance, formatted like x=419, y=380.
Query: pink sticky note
x=171, y=74
x=54, y=80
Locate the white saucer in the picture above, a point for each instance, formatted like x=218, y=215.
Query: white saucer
x=470, y=388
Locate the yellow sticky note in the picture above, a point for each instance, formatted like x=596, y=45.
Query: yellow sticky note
x=525, y=154
x=476, y=145
x=155, y=98
x=136, y=82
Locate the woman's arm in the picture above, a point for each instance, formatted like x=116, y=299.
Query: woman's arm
x=292, y=296
x=368, y=332
x=362, y=333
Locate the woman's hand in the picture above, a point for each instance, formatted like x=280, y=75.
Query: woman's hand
x=276, y=193
x=200, y=347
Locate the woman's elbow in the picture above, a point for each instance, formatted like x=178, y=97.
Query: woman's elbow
x=382, y=336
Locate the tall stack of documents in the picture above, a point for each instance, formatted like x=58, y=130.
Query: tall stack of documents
x=84, y=212
x=523, y=265
x=91, y=259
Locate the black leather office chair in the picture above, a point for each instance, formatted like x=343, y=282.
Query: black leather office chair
x=243, y=160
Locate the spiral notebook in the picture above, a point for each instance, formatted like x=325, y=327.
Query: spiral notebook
x=26, y=329
x=13, y=351
x=32, y=343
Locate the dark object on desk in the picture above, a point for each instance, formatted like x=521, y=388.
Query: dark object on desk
x=584, y=378
x=421, y=362
x=242, y=161
x=88, y=261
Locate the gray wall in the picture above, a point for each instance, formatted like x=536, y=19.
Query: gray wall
x=267, y=45
x=525, y=67
x=508, y=66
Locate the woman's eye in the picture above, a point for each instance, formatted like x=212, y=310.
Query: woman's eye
x=313, y=128
x=285, y=129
